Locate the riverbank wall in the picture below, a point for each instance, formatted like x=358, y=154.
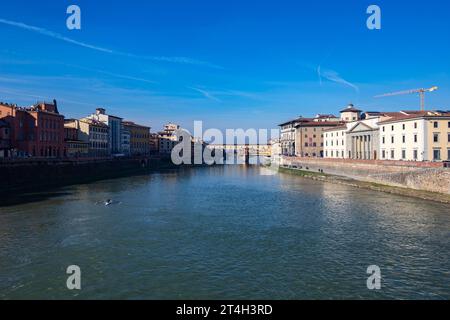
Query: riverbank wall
x=430, y=177
x=28, y=175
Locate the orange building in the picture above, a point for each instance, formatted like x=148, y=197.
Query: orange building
x=309, y=135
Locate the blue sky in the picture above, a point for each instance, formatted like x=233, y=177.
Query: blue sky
x=248, y=64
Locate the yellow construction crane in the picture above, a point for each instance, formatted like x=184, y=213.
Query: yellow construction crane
x=421, y=92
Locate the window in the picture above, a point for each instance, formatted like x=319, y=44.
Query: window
x=415, y=138
x=415, y=154
x=448, y=138
x=404, y=126
x=392, y=139
x=383, y=154
x=404, y=139
x=436, y=137
x=449, y=124
x=384, y=129
x=436, y=124
x=415, y=125
x=403, y=154
x=436, y=154
x=383, y=140
x=448, y=154
x=392, y=128
x=392, y=154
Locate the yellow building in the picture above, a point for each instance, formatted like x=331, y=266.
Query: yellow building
x=139, y=138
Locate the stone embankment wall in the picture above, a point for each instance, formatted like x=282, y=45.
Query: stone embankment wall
x=35, y=174
x=431, y=177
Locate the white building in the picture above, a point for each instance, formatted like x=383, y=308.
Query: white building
x=335, y=139
x=167, y=138
x=359, y=138
x=126, y=141
x=115, y=129
x=416, y=136
x=335, y=142
x=287, y=137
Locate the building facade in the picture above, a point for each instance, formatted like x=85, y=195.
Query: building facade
x=167, y=139
x=139, y=139
x=416, y=136
x=335, y=142
x=309, y=135
x=126, y=141
x=75, y=148
x=287, y=137
x=154, y=143
x=358, y=137
x=37, y=131
x=115, y=129
x=93, y=133
x=5, y=139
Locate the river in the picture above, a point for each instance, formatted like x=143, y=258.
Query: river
x=222, y=233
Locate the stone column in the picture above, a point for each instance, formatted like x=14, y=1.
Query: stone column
x=365, y=147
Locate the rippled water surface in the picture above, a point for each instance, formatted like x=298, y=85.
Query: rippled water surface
x=222, y=233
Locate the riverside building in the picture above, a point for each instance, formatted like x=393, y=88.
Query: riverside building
x=115, y=129
x=416, y=136
x=36, y=131
x=309, y=135
x=139, y=138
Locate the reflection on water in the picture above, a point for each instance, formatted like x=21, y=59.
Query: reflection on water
x=223, y=233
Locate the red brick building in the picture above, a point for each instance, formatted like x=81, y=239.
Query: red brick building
x=37, y=131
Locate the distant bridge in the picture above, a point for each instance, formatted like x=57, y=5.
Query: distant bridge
x=244, y=149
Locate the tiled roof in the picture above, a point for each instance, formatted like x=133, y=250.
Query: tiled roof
x=300, y=119
x=132, y=124
x=313, y=123
x=415, y=115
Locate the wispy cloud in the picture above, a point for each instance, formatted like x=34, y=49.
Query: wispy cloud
x=333, y=76
x=48, y=33
x=111, y=74
x=205, y=93
x=215, y=94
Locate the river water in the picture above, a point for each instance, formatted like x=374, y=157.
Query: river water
x=222, y=233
